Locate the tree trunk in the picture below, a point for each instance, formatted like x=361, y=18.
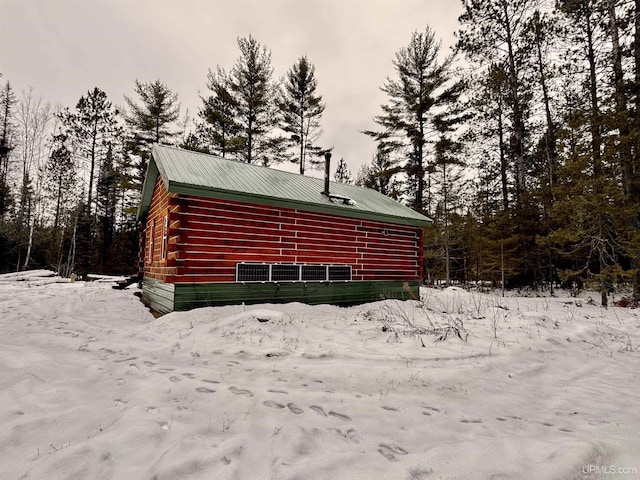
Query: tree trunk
x=30, y=244
x=504, y=164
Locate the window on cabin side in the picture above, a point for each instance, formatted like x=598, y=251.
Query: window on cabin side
x=150, y=233
x=165, y=227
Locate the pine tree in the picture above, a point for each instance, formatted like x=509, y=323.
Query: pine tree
x=255, y=92
x=414, y=98
x=219, y=132
x=590, y=196
x=449, y=186
x=150, y=121
x=301, y=108
x=380, y=174
x=60, y=176
x=505, y=40
x=493, y=35
x=343, y=174
x=624, y=35
x=7, y=104
x=107, y=202
x=92, y=128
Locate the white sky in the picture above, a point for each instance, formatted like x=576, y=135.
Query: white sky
x=62, y=48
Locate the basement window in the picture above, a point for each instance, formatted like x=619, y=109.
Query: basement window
x=251, y=272
x=285, y=273
x=314, y=273
x=339, y=272
x=291, y=272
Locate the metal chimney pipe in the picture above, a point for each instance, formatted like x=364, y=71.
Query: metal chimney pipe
x=327, y=169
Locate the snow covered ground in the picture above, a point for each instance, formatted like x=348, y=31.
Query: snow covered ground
x=462, y=385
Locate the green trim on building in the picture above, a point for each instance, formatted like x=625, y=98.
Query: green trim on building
x=195, y=295
x=158, y=295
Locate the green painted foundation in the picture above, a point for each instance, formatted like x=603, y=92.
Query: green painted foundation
x=186, y=296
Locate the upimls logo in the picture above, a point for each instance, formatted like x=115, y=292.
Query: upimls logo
x=608, y=470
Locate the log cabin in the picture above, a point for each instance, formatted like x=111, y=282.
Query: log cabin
x=219, y=232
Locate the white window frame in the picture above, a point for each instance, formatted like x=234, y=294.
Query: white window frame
x=151, y=232
x=165, y=228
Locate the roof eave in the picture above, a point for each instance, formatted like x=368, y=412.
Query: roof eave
x=148, y=186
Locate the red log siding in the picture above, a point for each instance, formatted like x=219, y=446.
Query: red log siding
x=161, y=205
x=208, y=237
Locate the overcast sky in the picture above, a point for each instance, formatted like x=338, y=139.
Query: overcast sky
x=62, y=48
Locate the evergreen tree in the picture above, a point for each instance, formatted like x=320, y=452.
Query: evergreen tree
x=7, y=104
x=255, y=93
x=150, y=121
x=219, y=133
x=93, y=129
x=624, y=119
x=107, y=202
x=60, y=176
x=589, y=193
x=449, y=186
x=381, y=174
x=505, y=42
x=343, y=174
x=493, y=36
x=301, y=110
x=414, y=97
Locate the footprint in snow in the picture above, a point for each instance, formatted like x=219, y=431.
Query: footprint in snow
x=128, y=359
x=239, y=391
x=341, y=416
x=294, y=409
x=272, y=404
x=205, y=390
x=350, y=435
x=430, y=410
x=318, y=410
x=390, y=451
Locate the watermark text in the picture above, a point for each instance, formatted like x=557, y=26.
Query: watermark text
x=608, y=470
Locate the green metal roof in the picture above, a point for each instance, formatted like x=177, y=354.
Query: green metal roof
x=192, y=173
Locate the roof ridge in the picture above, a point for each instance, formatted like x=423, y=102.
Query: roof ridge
x=224, y=159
